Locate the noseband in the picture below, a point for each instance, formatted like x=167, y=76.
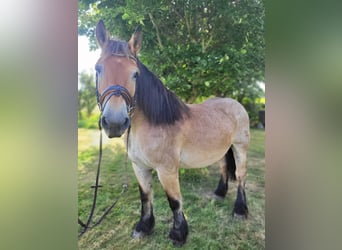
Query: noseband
x=115, y=90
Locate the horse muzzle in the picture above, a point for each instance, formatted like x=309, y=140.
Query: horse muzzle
x=114, y=128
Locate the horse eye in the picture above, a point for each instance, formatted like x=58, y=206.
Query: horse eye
x=135, y=75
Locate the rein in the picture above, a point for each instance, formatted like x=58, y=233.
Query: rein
x=87, y=225
x=102, y=99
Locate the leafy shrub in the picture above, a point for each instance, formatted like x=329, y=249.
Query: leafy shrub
x=82, y=123
x=90, y=122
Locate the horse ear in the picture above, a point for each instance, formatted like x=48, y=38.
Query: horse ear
x=134, y=43
x=102, y=35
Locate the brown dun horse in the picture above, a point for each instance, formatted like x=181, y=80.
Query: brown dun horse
x=164, y=133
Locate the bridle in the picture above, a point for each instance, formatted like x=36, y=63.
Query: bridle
x=115, y=90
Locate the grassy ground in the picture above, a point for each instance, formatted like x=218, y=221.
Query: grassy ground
x=210, y=223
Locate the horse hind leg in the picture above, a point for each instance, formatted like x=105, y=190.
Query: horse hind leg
x=240, y=155
x=227, y=166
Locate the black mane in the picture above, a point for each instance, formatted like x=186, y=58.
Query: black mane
x=159, y=105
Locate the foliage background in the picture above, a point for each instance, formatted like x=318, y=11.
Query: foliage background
x=199, y=49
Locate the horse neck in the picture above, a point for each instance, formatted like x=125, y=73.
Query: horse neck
x=137, y=119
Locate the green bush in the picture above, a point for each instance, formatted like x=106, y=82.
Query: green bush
x=90, y=122
x=93, y=121
x=82, y=123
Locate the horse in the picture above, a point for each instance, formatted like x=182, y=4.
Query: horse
x=164, y=134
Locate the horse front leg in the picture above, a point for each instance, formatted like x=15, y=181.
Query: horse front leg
x=146, y=223
x=170, y=182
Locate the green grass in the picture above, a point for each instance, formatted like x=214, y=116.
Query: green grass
x=210, y=223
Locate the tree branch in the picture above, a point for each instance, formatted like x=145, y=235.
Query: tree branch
x=157, y=30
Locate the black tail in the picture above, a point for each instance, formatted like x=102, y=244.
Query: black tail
x=230, y=163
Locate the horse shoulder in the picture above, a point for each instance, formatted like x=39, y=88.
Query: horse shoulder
x=155, y=146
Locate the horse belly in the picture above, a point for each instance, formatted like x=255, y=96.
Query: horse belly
x=209, y=133
x=197, y=157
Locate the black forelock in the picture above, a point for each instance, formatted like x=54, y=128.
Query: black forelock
x=118, y=47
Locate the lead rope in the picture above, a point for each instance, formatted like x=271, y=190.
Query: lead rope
x=124, y=188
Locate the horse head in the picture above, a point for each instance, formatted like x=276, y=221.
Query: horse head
x=116, y=74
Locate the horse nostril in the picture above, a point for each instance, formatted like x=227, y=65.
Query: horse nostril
x=103, y=121
x=126, y=123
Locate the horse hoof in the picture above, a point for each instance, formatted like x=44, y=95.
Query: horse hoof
x=178, y=238
x=218, y=198
x=138, y=235
x=177, y=242
x=240, y=216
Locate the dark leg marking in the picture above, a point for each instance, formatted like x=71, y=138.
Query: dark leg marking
x=146, y=224
x=179, y=231
x=222, y=188
x=240, y=206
